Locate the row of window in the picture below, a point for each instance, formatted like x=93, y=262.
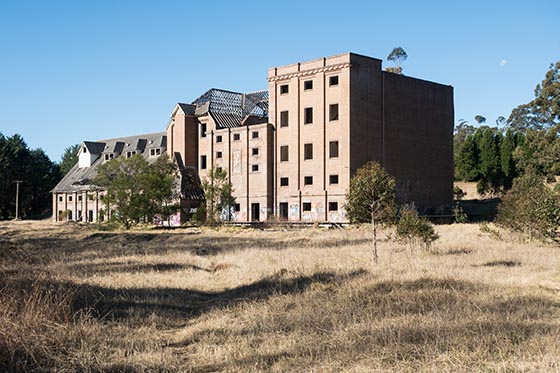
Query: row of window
x=308, y=180
x=91, y=197
x=308, y=85
x=308, y=115
x=219, y=138
x=153, y=152
x=308, y=151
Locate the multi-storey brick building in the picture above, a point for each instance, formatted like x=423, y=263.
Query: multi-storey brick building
x=290, y=151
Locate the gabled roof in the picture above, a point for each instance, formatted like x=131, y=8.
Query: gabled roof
x=79, y=179
x=94, y=147
x=188, y=109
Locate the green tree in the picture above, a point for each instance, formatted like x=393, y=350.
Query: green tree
x=136, y=189
x=371, y=198
x=415, y=230
x=480, y=119
x=460, y=133
x=218, y=194
x=531, y=207
x=69, y=158
x=507, y=161
x=397, y=56
x=467, y=159
x=489, y=165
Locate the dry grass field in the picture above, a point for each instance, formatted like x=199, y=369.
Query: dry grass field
x=76, y=299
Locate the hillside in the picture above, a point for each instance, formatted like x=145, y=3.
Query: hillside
x=73, y=298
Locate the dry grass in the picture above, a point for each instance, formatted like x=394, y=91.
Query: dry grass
x=72, y=298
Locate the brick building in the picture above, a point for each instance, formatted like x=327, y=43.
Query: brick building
x=290, y=151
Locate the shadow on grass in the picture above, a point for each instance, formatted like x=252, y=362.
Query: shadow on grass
x=173, y=305
x=397, y=324
x=38, y=250
x=131, y=267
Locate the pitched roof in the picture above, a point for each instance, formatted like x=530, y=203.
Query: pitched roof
x=229, y=109
x=188, y=109
x=80, y=179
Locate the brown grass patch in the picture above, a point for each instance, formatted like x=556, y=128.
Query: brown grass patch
x=294, y=300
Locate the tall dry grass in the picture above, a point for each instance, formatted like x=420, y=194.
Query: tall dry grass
x=286, y=300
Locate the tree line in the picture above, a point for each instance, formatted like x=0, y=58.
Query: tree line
x=527, y=142
x=37, y=176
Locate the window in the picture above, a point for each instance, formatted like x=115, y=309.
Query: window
x=130, y=154
x=69, y=198
x=308, y=85
x=60, y=199
x=308, y=115
x=284, y=155
x=108, y=156
x=284, y=89
x=306, y=206
x=333, y=149
x=255, y=151
x=203, y=162
x=255, y=168
x=219, y=138
x=84, y=150
x=333, y=179
x=333, y=112
x=236, y=137
x=333, y=206
x=308, y=180
x=284, y=118
x=237, y=207
x=308, y=151
x=155, y=151
x=218, y=154
x=79, y=198
x=333, y=80
x=90, y=197
x=255, y=135
x=202, y=129
x=284, y=181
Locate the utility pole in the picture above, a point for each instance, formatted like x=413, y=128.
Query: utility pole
x=17, y=197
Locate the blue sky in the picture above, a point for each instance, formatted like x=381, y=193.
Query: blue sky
x=87, y=70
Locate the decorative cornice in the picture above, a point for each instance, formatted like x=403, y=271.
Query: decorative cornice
x=339, y=66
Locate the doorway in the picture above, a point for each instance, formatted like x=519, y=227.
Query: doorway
x=283, y=210
x=255, y=211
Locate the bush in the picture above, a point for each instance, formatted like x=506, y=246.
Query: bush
x=458, y=193
x=531, y=207
x=415, y=230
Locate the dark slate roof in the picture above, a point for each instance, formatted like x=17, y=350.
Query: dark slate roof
x=94, y=147
x=79, y=179
x=188, y=109
x=230, y=109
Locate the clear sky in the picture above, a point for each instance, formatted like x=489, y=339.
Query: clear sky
x=87, y=70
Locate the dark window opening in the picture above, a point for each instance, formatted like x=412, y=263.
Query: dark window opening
x=202, y=129
x=308, y=180
x=333, y=149
x=284, y=181
x=308, y=115
x=219, y=138
x=333, y=179
x=333, y=80
x=255, y=135
x=284, y=89
x=236, y=136
x=308, y=151
x=218, y=154
x=333, y=112
x=284, y=119
x=203, y=162
x=306, y=206
x=255, y=168
x=237, y=207
x=308, y=85
x=255, y=151
x=333, y=206
x=284, y=154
